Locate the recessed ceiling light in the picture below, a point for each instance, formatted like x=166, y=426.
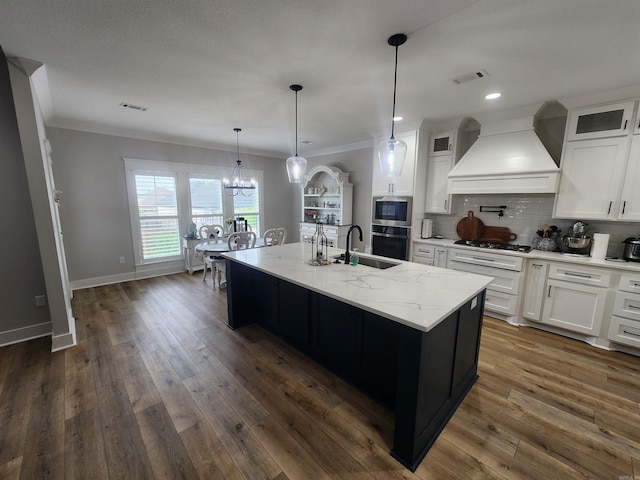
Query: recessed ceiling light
x=492, y=96
x=397, y=118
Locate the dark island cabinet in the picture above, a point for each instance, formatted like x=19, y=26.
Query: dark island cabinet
x=421, y=376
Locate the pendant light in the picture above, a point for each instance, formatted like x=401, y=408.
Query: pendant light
x=391, y=152
x=239, y=184
x=296, y=166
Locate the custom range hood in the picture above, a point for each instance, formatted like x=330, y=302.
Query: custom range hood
x=508, y=157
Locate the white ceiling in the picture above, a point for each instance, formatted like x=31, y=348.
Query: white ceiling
x=203, y=67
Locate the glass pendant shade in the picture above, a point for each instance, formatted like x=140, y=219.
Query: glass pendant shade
x=391, y=155
x=296, y=168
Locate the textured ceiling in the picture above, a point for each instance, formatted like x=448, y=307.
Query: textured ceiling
x=203, y=67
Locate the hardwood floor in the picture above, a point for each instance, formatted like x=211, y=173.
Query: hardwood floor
x=159, y=387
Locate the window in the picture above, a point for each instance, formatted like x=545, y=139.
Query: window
x=206, y=201
x=166, y=197
x=157, y=203
x=249, y=209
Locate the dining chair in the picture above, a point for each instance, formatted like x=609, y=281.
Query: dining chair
x=275, y=236
x=207, y=232
x=282, y=234
x=235, y=241
x=211, y=232
x=240, y=240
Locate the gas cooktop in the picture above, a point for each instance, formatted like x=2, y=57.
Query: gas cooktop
x=495, y=246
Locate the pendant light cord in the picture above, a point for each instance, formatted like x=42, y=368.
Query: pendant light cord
x=296, y=148
x=395, y=79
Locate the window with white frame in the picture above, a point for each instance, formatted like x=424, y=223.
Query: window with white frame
x=166, y=197
x=157, y=211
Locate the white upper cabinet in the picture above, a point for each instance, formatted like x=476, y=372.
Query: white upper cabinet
x=403, y=184
x=600, y=121
x=592, y=176
x=439, y=164
x=442, y=143
x=629, y=208
x=601, y=175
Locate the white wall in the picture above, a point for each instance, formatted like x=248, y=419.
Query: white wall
x=21, y=277
x=94, y=210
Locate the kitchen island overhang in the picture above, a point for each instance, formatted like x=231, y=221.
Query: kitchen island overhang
x=408, y=335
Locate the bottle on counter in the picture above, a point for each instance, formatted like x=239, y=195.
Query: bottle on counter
x=353, y=258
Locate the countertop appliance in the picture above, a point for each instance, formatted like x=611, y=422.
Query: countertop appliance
x=394, y=211
x=427, y=228
x=631, y=250
x=495, y=246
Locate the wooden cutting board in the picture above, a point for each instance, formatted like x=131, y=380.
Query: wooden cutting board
x=498, y=235
x=470, y=227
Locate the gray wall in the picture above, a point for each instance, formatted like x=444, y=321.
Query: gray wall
x=22, y=276
x=94, y=211
x=358, y=164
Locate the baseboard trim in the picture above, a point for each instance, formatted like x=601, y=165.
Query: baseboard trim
x=25, y=333
x=66, y=340
x=148, y=271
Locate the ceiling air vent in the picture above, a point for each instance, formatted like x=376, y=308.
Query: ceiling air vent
x=133, y=107
x=467, y=77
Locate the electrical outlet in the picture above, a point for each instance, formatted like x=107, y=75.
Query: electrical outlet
x=121, y=259
x=41, y=300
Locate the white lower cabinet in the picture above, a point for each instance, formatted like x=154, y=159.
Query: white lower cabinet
x=503, y=292
x=441, y=257
x=428, y=254
x=575, y=307
x=576, y=297
x=336, y=234
x=625, y=319
x=534, y=290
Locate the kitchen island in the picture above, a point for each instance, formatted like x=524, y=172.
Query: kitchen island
x=407, y=335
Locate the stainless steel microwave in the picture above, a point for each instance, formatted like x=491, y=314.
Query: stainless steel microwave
x=392, y=211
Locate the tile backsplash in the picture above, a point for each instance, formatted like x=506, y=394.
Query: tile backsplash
x=525, y=215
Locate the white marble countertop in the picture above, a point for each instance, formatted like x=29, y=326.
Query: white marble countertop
x=415, y=295
x=440, y=242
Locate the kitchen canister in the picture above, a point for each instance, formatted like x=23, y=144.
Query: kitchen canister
x=600, y=245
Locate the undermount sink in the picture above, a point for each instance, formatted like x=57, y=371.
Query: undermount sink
x=372, y=262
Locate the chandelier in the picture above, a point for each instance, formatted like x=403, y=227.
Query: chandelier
x=239, y=184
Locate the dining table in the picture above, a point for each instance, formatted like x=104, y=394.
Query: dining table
x=214, y=246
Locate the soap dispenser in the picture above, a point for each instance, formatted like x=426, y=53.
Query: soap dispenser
x=353, y=258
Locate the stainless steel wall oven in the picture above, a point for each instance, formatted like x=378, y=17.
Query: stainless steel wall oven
x=390, y=241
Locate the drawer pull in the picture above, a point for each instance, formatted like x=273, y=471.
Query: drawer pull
x=549, y=292
x=624, y=206
x=580, y=275
x=636, y=284
x=539, y=265
x=635, y=307
x=485, y=259
x=609, y=211
x=631, y=333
